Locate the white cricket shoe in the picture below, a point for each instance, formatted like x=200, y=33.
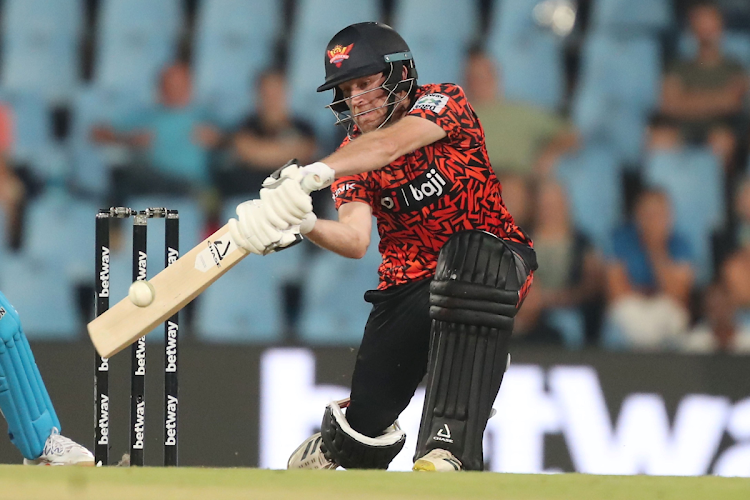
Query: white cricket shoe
x=309, y=456
x=59, y=450
x=438, y=460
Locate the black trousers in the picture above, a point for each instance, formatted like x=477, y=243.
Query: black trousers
x=392, y=358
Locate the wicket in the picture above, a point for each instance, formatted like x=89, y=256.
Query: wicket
x=138, y=351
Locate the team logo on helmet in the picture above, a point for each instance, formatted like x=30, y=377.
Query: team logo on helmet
x=339, y=54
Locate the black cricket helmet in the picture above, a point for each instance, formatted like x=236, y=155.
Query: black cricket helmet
x=364, y=49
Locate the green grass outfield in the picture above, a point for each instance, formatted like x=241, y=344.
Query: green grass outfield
x=60, y=483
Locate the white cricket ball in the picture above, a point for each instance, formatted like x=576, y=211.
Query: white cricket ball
x=141, y=293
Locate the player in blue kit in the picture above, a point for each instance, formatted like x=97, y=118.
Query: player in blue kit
x=32, y=422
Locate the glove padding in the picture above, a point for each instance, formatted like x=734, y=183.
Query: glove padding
x=253, y=232
x=285, y=192
x=284, y=201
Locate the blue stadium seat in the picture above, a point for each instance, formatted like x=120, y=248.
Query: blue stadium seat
x=32, y=140
x=40, y=46
x=234, y=41
x=532, y=70
x=626, y=70
x=592, y=180
x=512, y=20
x=334, y=311
x=136, y=38
x=43, y=296
x=530, y=56
x=632, y=16
x=736, y=44
x=693, y=178
x=610, y=123
x=246, y=304
x=438, y=35
x=570, y=323
x=59, y=232
x=90, y=162
x=316, y=23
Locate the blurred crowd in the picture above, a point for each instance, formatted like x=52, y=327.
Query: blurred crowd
x=630, y=174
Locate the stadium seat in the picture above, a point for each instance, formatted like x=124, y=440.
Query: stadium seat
x=570, y=323
x=438, y=36
x=693, y=178
x=592, y=180
x=530, y=56
x=90, y=162
x=43, y=296
x=234, y=41
x=32, y=141
x=316, y=21
x=736, y=44
x=512, y=20
x=58, y=220
x=606, y=122
x=626, y=70
x=333, y=308
x=135, y=39
x=40, y=46
x=629, y=17
x=246, y=304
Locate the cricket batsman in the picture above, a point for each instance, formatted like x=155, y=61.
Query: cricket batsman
x=32, y=422
x=455, y=267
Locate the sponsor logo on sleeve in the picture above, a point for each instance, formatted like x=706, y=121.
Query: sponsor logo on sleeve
x=432, y=102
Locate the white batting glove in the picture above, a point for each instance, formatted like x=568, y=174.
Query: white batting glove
x=285, y=193
x=252, y=230
x=308, y=223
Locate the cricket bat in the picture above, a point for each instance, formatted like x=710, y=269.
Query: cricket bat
x=174, y=287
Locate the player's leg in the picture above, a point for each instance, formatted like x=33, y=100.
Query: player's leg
x=32, y=423
x=391, y=362
x=479, y=284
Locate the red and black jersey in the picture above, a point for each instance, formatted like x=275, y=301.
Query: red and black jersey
x=424, y=197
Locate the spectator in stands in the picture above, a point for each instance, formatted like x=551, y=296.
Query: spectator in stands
x=12, y=189
x=719, y=331
x=571, y=275
x=702, y=98
x=266, y=139
x=519, y=197
x=649, y=279
x=170, y=142
x=735, y=271
x=520, y=138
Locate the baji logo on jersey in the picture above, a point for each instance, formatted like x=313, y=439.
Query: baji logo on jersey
x=416, y=194
x=339, y=54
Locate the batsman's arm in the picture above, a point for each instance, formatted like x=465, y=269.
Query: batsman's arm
x=350, y=235
x=377, y=149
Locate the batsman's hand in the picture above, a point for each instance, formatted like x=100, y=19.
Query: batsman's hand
x=286, y=192
x=253, y=232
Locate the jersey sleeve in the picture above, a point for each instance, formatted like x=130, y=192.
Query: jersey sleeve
x=351, y=188
x=446, y=105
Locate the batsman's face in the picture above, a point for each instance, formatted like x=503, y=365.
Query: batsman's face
x=364, y=95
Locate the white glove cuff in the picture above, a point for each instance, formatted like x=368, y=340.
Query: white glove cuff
x=308, y=223
x=325, y=173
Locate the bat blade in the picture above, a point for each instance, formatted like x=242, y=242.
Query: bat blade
x=175, y=287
